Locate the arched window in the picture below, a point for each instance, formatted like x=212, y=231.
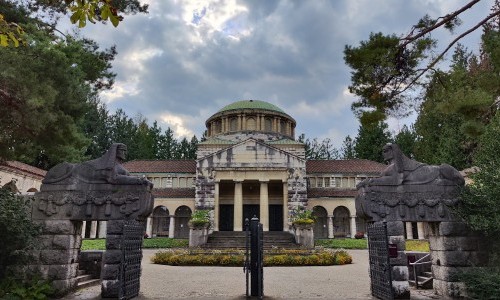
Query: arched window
x=283, y=127
x=268, y=124
x=341, y=224
x=251, y=124
x=321, y=224
x=218, y=127
x=161, y=221
x=182, y=216
x=233, y=124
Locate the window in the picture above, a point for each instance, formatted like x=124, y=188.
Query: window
x=312, y=181
x=168, y=182
x=283, y=127
x=327, y=181
x=251, y=125
x=233, y=124
x=268, y=124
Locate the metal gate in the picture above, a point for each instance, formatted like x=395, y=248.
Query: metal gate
x=130, y=267
x=254, y=261
x=380, y=267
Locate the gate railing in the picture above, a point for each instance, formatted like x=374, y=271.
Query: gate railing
x=380, y=266
x=130, y=267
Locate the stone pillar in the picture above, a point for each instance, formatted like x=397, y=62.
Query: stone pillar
x=257, y=123
x=55, y=255
x=238, y=206
x=171, y=227
x=420, y=230
x=102, y=230
x=330, y=227
x=400, y=286
x=353, y=226
x=244, y=122
x=84, y=227
x=454, y=248
x=409, y=231
x=149, y=227
x=93, y=230
x=264, y=205
x=285, y=206
x=240, y=123
x=110, y=273
x=216, y=207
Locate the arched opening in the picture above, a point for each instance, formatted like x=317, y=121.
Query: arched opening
x=182, y=216
x=268, y=124
x=161, y=221
x=218, y=126
x=32, y=190
x=341, y=226
x=283, y=127
x=321, y=224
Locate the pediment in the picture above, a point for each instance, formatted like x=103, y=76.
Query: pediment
x=250, y=154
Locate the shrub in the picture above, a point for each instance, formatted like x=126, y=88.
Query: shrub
x=482, y=283
x=200, y=218
x=33, y=288
x=301, y=216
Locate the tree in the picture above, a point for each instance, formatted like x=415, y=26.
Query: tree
x=387, y=69
x=406, y=140
x=370, y=141
x=315, y=149
x=347, y=150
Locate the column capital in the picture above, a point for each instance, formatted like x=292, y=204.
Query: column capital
x=264, y=180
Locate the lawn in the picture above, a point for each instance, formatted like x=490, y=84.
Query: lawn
x=411, y=245
x=100, y=244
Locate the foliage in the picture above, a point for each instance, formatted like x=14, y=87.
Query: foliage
x=302, y=216
x=406, y=140
x=370, y=140
x=151, y=243
x=417, y=245
x=200, y=217
x=480, y=205
x=17, y=231
x=347, y=150
x=231, y=257
x=481, y=283
x=34, y=288
x=316, y=149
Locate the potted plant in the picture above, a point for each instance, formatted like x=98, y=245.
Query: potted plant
x=303, y=222
x=198, y=228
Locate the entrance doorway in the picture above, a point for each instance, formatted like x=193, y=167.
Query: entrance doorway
x=249, y=211
x=276, y=217
x=226, y=216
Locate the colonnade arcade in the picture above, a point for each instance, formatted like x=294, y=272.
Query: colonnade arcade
x=340, y=223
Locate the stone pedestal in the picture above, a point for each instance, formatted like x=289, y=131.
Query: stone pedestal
x=112, y=258
x=454, y=248
x=198, y=235
x=304, y=235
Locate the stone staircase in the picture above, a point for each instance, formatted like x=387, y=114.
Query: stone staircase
x=424, y=280
x=236, y=240
x=84, y=280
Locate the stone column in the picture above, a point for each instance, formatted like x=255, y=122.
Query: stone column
x=93, y=230
x=257, y=123
x=264, y=205
x=353, y=226
x=420, y=230
x=400, y=286
x=238, y=206
x=84, y=227
x=285, y=206
x=149, y=227
x=102, y=229
x=240, y=123
x=330, y=227
x=409, y=231
x=171, y=227
x=216, y=207
x=244, y=122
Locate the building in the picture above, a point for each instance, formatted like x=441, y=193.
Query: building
x=250, y=164
x=26, y=178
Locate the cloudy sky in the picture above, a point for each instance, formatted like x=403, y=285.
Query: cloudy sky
x=185, y=60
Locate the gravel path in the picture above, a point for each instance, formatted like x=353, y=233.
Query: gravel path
x=169, y=282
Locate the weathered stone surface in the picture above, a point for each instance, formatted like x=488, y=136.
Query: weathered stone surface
x=465, y=243
x=114, y=227
x=110, y=272
x=453, y=290
x=58, y=227
x=458, y=258
x=454, y=229
x=400, y=273
x=63, y=242
x=58, y=257
x=399, y=241
x=60, y=272
x=198, y=236
x=91, y=262
x=401, y=289
x=395, y=228
x=304, y=235
x=112, y=256
x=110, y=288
x=113, y=242
x=446, y=273
x=44, y=241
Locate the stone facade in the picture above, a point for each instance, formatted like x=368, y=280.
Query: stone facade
x=27, y=179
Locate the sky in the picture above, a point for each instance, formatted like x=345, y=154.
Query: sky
x=184, y=60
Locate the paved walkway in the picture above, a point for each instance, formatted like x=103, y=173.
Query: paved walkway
x=169, y=282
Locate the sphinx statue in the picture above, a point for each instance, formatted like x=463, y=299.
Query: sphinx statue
x=418, y=191
x=402, y=170
x=106, y=169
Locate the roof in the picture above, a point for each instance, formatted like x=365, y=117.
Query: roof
x=174, y=193
x=284, y=142
x=251, y=104
x=24, y=168
x=216, y=141
x=161, y=166
x=344, y=166
x=330, y=192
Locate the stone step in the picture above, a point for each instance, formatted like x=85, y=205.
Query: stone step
x=87, y=283
x=427, y=274
x=80, y=272
x=423, y=282
x=84, y=277
x=237, y=239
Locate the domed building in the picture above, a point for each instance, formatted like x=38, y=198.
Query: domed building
x=250, y=164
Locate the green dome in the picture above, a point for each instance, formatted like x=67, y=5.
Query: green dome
x=251, y=104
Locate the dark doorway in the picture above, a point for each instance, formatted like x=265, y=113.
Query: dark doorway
x=275, y=217
x=249, y=211
x=321, y=224
x=226, y=216
x=182, y=216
